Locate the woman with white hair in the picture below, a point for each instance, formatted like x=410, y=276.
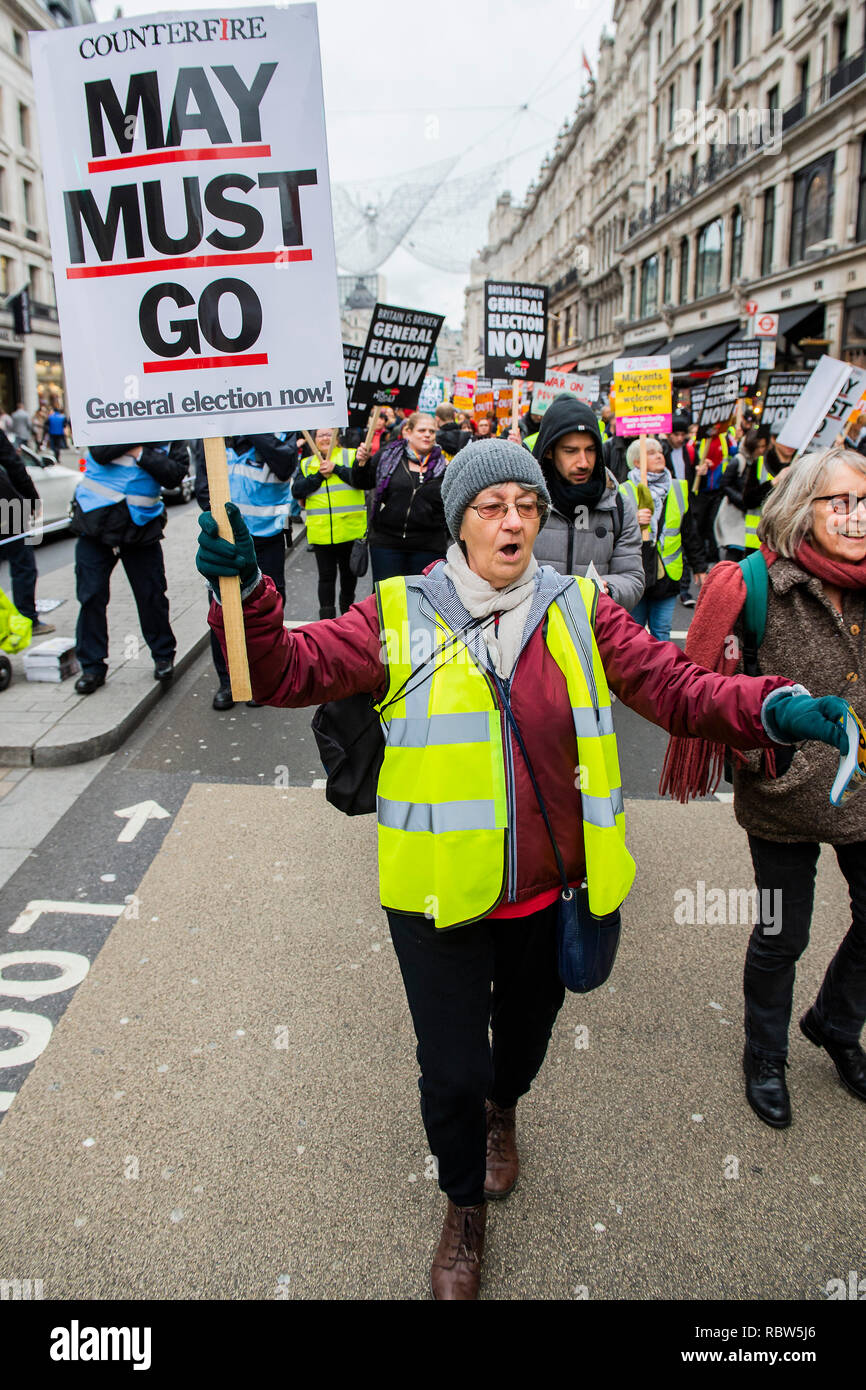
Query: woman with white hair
x=672, y=533
x=813, y=544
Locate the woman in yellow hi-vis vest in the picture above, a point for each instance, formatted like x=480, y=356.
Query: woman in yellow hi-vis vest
x=336, y=517
x=483, y=667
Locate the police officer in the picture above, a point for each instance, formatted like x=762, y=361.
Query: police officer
x=260, y=470
x=118, y=513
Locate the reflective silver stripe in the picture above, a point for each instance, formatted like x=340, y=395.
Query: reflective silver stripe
x=356, y=507
x=247, y=509
x=256, y=475
x=436, y=817
x=580, y=633
x=117, y=493
x=589, y=723
x=439, y=729
x=601, y=811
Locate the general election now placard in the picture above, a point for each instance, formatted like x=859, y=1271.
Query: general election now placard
x=397, y=353
x=515, y=330
x=784, y=389
x=744, y=357
x=720, y=402
x=189, y=204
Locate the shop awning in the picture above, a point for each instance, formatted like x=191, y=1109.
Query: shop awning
x=790, y=319
x=690, y=349
x=647, y=349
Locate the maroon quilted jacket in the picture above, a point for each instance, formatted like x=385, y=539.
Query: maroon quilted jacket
x=331, y=659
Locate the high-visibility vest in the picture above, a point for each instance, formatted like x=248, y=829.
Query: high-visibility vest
x=530, y=439
x=446, y=792
x=669, y=542
x=602, y=429
x=121, y=481
x=702, y=449
x=262, y=498
x=336, y=511
x=752, y=518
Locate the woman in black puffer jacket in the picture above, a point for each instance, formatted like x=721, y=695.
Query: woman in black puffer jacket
x=407, y=523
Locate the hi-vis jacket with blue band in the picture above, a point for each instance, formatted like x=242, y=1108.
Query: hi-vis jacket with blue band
x=262, y=498
x=670, y=541
x=446, y=792
x=103, y=484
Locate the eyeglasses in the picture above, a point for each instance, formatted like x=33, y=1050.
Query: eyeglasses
x=497, y=511
x=844, y=504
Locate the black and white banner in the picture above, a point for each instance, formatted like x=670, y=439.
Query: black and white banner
x=396, y=356
x=744, y=357
x=720, y=402
x=784, y=389
x=189, y=205
x=515, y=331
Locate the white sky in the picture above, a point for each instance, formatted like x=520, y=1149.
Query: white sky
x=410, y=82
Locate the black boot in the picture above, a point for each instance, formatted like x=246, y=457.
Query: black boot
x=223, y=698
x=766, y=1090
x=849, y=1058
x=327, y=612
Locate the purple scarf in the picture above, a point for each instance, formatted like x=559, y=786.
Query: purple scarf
x=390, y=459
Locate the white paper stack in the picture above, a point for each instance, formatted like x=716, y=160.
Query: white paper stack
x=54, y=660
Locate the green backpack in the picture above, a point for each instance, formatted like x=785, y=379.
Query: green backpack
x=754, y=569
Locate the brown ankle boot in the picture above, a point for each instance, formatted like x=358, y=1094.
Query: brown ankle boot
x=456, y=1271
x=502, y=1162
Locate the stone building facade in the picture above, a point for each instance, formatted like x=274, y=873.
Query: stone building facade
x=718, y=158
x=31, y=366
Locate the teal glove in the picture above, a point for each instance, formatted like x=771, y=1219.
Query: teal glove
x=798, y=717
x=216, y=557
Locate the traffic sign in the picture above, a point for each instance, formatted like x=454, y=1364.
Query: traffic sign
x=751, y=307
x=766, y=325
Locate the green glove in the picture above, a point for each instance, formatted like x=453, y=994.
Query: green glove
x=645, y=497
x=797, y=717
x=216, y=557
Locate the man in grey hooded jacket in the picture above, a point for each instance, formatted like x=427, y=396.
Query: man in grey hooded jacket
x=591, y=521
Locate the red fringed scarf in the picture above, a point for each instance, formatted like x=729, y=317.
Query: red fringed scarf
x=694, y=766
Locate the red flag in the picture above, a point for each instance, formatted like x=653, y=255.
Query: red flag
x=586, y=63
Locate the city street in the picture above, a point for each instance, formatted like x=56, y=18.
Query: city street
x=227, y=1105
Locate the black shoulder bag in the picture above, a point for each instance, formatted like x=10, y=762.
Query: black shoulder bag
x=586, y=944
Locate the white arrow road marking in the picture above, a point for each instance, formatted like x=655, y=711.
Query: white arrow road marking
x=138, y=816
x=35, y=908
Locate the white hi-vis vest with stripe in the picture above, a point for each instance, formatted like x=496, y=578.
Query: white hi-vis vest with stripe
x=446, y=798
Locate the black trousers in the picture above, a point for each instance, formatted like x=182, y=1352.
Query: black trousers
x=786, y=873
x=271, y=555
x=145, y=570
x=703, y=506
x=330, y=559
x=22, y=572
x=496, y=975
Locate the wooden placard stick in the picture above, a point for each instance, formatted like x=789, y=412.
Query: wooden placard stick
x=230, y=585
x=371, y=428
x=312, y=446
x=644, y=530
x=515, y=405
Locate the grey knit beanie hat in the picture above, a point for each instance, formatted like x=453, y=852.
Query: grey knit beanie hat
x=484, y=464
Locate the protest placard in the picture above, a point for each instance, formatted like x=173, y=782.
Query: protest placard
x=784, y=389
x=744, y=357
x=583, y=388
x=351, y=361
x=720, y=402
x=396, y=356
x=188, y=196
x=515, y=331
x=697, y=396
x=642, y=390
x=432, y=393
x=464, y=390
x=831, y=386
